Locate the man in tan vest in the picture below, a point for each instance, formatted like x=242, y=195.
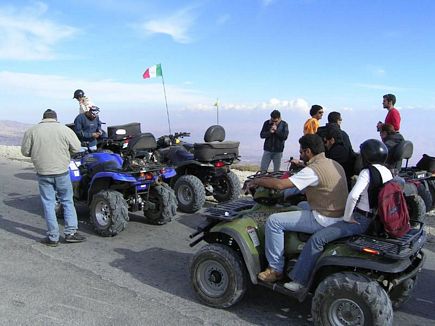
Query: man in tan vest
x=324, y=183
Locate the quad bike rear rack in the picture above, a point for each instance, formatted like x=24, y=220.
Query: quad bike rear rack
x=392, y=248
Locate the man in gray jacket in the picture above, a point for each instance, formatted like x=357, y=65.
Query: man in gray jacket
x=50, y=144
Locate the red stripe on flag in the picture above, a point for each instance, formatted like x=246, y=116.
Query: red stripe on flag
x=146, y=74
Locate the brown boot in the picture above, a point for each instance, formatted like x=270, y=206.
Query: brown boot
x=270, y=275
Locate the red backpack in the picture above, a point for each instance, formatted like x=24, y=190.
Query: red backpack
x=391, y=205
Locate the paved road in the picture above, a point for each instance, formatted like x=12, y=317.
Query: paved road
x=139, y=277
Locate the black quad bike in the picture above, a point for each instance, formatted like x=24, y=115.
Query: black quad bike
x=420, y=180
x=203, y=169
x=356, y=281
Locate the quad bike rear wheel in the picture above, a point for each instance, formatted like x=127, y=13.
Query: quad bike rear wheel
x=109, y=213
x=425, y=194
x=349, y=298
x=226, y=187
x=164, y=203
x=218, y=276
x=190, y=193
x=416, y=208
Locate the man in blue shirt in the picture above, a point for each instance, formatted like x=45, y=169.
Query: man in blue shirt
x=87, y=126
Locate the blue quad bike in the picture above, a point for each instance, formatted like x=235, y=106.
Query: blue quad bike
x=113, y=184
x=203, y=169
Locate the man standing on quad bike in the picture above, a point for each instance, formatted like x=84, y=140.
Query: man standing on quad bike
x=87, y=126
x=324, y=182
x=358, y=213
x=50, y=144
x=84, y=102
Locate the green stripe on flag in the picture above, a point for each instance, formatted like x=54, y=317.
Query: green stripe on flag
x=159, y=70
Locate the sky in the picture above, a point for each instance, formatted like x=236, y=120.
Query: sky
x=253, y=55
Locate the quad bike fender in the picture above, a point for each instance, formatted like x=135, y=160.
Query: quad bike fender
x=168, y=173
x=341, y=255
x=236, y=234
x=114, y=176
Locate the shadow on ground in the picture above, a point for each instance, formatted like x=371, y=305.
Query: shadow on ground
x=168, y=271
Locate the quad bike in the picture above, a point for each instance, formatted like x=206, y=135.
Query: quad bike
x=420, y=182
x=203, y=169
x=356, y=281
x=113, y=184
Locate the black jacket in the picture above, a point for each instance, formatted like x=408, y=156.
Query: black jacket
x=321, y=131
x=274, y=142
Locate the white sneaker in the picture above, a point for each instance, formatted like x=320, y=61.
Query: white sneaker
x=293, y=286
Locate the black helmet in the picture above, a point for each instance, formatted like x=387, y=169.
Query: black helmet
x=78, y=94
x=373, y=151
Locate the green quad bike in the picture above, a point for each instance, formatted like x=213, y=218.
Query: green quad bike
x=356, y=281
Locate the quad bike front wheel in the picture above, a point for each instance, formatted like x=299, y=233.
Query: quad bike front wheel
x=164, y=205
x=109, y=213
x=190, y=193
x=226, y=187
x=351, y=299
x=218, y=276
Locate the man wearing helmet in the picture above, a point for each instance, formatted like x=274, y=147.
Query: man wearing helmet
x=87, y=126
x=84, y=102
x=358, y=213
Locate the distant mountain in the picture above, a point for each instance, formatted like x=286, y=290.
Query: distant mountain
x=11, y=132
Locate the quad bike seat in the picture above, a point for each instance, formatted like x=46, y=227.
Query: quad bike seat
x=400, y=152
x=214, y=146
x=131, y=130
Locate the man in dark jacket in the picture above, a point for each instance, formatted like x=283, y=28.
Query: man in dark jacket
x=337, y=151
x=334, y=118
x=87, y=126
x=274, y=133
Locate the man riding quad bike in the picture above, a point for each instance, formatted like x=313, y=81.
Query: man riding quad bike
x=356, y=280
x=203, y=169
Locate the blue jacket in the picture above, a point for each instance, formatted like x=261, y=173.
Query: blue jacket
x=84, y=128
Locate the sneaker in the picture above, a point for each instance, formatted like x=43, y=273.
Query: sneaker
x=270, y=275
x=48, y=242
x=293, y=286
x=75, y=237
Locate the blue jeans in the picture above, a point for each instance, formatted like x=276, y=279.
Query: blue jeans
x=299, y=221
x=306, y=262
x=49, y=188
x=268, y=157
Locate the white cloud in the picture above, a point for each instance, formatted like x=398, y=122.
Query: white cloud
x=267, y=2
x=55, y=87
x=381, y=87
x=376, y=71
x=177, y=25
x=26, y=35
x=222, y=19
x=298, y=104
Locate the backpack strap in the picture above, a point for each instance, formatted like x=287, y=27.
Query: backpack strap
x=374, y=186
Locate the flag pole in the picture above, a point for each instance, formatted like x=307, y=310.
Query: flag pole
x=217, y=111
x=166, y=102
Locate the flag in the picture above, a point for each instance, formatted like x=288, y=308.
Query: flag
x=216, y=103
x=153, y=72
